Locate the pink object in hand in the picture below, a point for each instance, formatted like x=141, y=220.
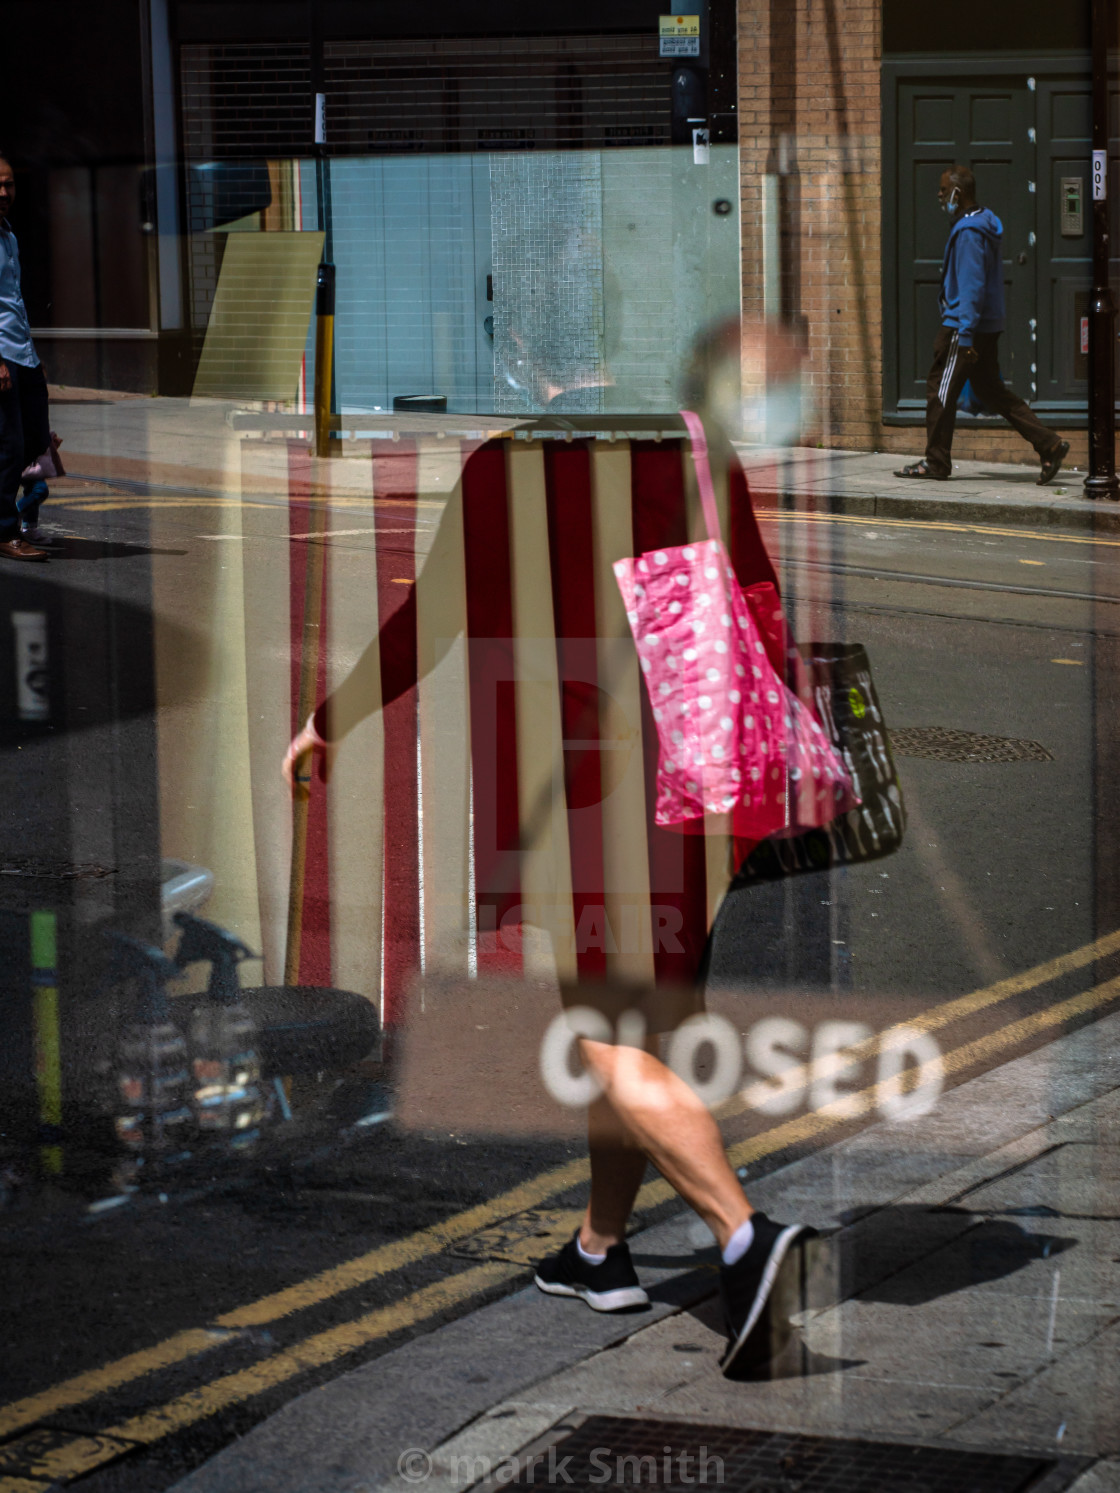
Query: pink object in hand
x=733, y=737
x=48, y=465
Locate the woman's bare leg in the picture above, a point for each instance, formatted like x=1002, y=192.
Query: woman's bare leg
x=658, y=1113
x=617, y=1168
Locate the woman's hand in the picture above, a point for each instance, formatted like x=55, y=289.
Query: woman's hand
x=296, y=768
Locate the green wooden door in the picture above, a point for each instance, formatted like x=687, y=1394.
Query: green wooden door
x=985, y=123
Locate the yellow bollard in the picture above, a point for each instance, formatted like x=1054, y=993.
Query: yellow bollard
x=324, y=358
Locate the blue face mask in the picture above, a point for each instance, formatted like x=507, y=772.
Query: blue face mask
x=950, y=204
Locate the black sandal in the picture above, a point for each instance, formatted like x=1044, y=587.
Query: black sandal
x=923, y=469
x=1052, y=464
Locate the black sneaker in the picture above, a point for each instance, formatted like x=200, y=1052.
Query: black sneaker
x=609, y=1287
x=1052, y=464
x=760, y=1291
x=32, y=534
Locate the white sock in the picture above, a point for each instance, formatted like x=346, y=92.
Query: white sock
x=591, y=1259
x=739, y=1243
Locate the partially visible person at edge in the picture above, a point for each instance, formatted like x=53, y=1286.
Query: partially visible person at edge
x=24, y=412
x=966, y=348
x=646, y=1113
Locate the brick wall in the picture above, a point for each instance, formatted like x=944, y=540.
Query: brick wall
x=810, y=116
x=810, y=120
x=1000, y=444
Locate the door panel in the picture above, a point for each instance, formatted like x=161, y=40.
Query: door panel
x=1065, y=257
x=932, y=118
x=925, y=322
x=990, y=118
x=98, y=257
x=929, y=112
x=1064, y=260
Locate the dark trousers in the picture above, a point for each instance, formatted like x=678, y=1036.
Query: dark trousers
x=948, y=376
x=25, y=433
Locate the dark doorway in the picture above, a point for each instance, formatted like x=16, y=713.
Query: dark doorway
x=1022, y=124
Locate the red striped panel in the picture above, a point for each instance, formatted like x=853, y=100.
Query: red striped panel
x=315, y=934
x=394, y=508
x=752, y=564
x=677, y=863
x=572, y=558
x=493, y=711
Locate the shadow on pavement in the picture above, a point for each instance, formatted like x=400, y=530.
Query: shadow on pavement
x=910, y=1254
x=906, y=1255
x=1028, y=476
x=68, y=547
x=973, y=1251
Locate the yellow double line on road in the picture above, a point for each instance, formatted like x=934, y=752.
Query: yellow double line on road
x=329, y=1346
x=793, y=515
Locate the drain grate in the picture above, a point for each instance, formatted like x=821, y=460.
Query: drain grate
x=55, y=870
x=44, y=1458
x=522, y=1240
x=675, y=1457
x=965, y=746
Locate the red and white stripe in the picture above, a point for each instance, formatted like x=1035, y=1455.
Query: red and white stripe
x=497, y=814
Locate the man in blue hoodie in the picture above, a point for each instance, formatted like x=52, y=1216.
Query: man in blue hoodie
x=966, y=348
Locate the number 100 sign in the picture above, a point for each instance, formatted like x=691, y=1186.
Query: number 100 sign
x=1100, y=175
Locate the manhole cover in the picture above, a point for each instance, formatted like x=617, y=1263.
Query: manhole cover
x=614, y=1452
x=965, y=746
x=55, y=870
x=45, y=1457
x=522, y=1240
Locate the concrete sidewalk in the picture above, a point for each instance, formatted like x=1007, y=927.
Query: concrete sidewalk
x=863, y=483
x=975, y=1265
x=177, y=443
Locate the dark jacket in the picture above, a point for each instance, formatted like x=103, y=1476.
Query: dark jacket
x=972, y=276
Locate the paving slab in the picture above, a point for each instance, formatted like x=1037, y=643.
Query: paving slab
x=1103, y=1478
x=822, y=1391
x=957, y=1331
x=1074, y=1404
x=861, y=483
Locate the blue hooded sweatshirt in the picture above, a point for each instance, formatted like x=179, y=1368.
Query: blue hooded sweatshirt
x=972, y=276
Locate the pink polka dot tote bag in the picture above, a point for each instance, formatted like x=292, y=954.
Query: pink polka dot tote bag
x=733, y=737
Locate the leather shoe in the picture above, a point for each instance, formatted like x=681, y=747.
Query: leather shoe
x=19, y=549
